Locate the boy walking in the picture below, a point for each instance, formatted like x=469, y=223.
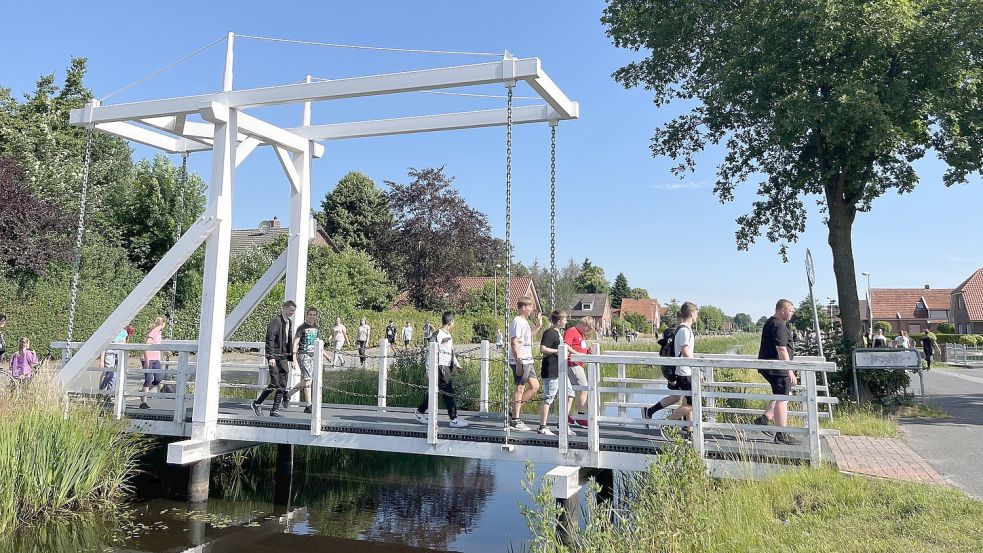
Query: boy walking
x=550, y=348
x=684, y=345
x=520, y=359
x=446, y=361
x=279, y=354
x=576, y=338
x=776, y=343
x=305, y=348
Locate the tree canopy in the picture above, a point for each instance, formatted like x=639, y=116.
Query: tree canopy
x=591, y=279
x=620, y=290
x=356, y=213
x=834, y=99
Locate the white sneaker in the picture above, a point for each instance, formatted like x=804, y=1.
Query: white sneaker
x=420, y=417
x=519, y=425
x=545, y=431
x=459, y=423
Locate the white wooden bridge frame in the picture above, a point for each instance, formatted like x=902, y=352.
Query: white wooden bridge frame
x=231, y=135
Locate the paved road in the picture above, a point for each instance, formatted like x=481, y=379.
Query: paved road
x=953, y=445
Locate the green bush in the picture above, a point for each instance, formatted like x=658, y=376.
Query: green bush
x=484, y=327
x=947, y=328
x=968, y=340
x=882, y=325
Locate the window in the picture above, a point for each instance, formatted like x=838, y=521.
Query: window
x=938, y=314
x=919, y=304
x=914, y=329
x=586, y=306
x=962, y=304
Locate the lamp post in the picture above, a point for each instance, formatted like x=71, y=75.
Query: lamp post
x=870, y=307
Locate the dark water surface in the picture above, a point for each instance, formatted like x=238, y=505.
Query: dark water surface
x=341, y=501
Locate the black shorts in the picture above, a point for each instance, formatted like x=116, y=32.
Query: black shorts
x=685, y=383
x=781, y=384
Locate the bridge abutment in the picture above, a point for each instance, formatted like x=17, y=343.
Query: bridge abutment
x=198, y=483
x=284, y=474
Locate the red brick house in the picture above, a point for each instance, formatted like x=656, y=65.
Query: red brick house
x=595, y=306
x=521, y=287
x=650, y=309
x=966, y=304
x=910, y=309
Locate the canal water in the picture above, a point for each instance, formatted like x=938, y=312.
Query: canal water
x=340, y=500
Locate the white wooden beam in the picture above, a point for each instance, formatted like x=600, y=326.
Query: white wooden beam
x=427, y=123
x=354, y=87
x=548, y=91
x=189, y=451
x=147, y=137
x=245, y=148
x=211, y=333
x=138, y=298
x=300, y=231
x=288, y=167
x=256, y=294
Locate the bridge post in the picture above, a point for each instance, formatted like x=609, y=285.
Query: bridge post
x=181, y=386
x=697, y=413
x=198, y=484
x=622, y=396
x=316, y=388
x=120, y=406
x=284, y=474
x=812, y=419
x=432, y=370
x=383, y=373
x=711, y=377
x=211, y=333
x=483, y=378
x=593, y=403
x=564, y=426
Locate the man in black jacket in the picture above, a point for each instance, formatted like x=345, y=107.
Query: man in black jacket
x=279, y=354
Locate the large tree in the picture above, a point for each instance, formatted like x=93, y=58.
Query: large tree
x=620, y=290
x=591, y=279
x=436, y=234
x=833, y=99
x=356, y=214
x=151, y=206
x=743, y=321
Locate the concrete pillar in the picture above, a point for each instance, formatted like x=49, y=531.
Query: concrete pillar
x=198, y=484
x=284, y=474
x=605, y=478
x=568, y=523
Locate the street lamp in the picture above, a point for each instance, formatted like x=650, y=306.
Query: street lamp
x=870, y=306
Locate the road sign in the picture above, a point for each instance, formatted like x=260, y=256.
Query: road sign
x=810, y=270
x=881, y=358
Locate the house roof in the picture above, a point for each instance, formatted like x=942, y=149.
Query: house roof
x=646, y=308
x=244, y=240
x=972, y=291
x=598, y=303
x=520, y=287
x=890, y=303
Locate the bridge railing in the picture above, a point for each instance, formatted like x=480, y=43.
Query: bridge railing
x=704, y=394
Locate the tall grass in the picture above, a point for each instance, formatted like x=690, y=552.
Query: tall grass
x=58, y=458
x=676, y=506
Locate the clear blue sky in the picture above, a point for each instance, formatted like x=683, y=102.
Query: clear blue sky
x=615, y=200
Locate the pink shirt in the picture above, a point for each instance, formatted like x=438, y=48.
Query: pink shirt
x=21, y=365
x=153, y=337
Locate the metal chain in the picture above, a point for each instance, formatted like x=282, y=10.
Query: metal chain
x=553, y=216
x=77, y=266
x=508, y=254
x=177, y=236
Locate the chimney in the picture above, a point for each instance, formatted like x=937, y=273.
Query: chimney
x=928, y=287
x=275, y=224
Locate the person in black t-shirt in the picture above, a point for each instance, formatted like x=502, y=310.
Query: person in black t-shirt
x=550, y=348
x=776, y=343
x=929, y=347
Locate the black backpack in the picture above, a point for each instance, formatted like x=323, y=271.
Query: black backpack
x=667, y=348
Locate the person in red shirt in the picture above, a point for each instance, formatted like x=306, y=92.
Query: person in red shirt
x=576, y=338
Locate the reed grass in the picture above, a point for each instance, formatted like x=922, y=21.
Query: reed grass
x=675, y=506
x=59, y=458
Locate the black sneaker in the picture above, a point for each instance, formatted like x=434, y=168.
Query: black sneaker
x=308, y=410
x=257, y=409
x=275, y=413
x=285, y=402
x=786, y=439
x=144, y=405
x=764, y=421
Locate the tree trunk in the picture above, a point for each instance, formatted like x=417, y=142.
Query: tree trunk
x=841, y=217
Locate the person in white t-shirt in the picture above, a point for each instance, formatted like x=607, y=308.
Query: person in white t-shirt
x=362, y=337
x=446, y=361
x=407, y=334
x=519, y=356
x=684, y=345
x=902, y=340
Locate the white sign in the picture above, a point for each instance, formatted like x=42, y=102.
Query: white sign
x=880, y=358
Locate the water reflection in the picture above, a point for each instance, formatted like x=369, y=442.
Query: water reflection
x=341, y=501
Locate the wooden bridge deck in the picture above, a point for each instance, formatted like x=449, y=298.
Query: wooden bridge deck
x=396, y=429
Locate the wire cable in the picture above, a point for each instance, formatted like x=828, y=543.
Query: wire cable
x=374, y=48
x=161, y=70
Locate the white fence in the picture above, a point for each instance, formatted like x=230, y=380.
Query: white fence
x=961, y=354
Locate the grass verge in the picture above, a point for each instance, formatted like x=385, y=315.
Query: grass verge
x=57, y=459
x=872, y=420
x=676, y=506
